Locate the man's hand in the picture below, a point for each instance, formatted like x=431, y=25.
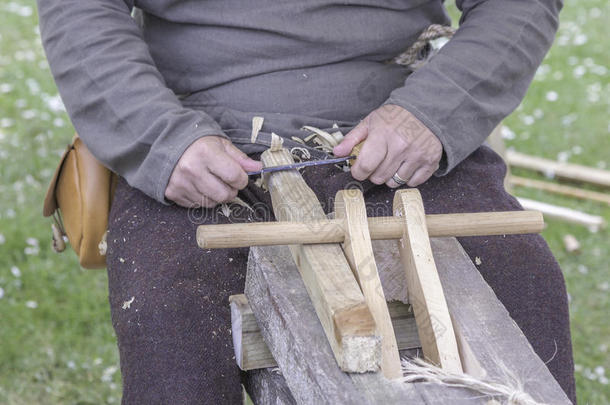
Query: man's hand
x=209, y=172
x=396, y=142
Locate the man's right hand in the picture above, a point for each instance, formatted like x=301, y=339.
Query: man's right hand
x=209, y=172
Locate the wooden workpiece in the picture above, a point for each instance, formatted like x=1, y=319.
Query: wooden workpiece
x=252, y=353
x=380, y=228
x=424, y=287
x=334, y=292
x=289, y=326
x=350, y=206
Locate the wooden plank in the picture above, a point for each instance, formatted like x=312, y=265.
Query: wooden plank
x=251, y=351
x=292, y=331
x=561, y=189
x=480, y=320
x=335, y=294
x=350, y=206
x=381, y=228
x=267, y=386
x=593, y=222
x=423, y=284
x=565, y=170
x=290, y=327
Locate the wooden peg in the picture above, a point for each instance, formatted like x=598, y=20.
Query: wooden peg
x=350, y=206
x=423, y=284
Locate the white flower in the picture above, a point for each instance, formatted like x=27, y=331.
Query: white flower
x=31, y=304
x=108, y=372
x=1, y=292
x=552, y=96
x=15, y=271
x=2, y=239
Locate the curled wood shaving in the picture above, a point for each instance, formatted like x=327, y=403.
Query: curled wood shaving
x=276, y=142
x=242, y=203
x=303, y=155
x=257, y=125
x=225, y=210
x=322, y=134
x=299, y=140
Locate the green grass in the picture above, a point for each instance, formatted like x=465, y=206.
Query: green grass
x=57, y=343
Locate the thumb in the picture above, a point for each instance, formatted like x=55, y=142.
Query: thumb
x=353, y=138
x=248, y=164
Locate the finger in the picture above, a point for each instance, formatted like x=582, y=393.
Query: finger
x=358, y=134
x=373, y=152
x=405, y=171
x=421, y=175
x=227, y=169
x=248, y=164
x=394, y=158
x=213, y=188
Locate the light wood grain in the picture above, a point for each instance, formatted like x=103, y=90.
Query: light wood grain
x=332, y=231
x=423, y=284
x=333, y=290
x=593, y=222
x=294, y=335
x=350, y=206
x=251, y=351
x=564, y=170
x=561, y=189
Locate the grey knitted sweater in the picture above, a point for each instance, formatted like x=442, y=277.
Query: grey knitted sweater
x=140, y=91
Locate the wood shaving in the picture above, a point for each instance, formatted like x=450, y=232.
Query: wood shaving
x=225, y=210
x=127, y=304
x=304, y=153
x=257, y=125
x=299, y=140
x=260, y=183
x=276, y=142
x=477, y=261
x=242, y=203
x=330, y=140
x=103, y=246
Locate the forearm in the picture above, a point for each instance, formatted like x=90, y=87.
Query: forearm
x=482, y=74
x=114, y=94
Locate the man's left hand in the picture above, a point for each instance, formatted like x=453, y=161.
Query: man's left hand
x=396, y=143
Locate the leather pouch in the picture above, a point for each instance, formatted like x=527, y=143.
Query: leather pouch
x=79, y=199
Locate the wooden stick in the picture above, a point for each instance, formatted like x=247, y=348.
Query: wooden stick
x=426, y=295
x=350, y=206
x=565, y=170
x=561, y=189
x=332, y=231
x=251, y=351
x=593, y=222
x=333, y=290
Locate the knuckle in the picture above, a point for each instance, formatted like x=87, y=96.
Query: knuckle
x=377, y=180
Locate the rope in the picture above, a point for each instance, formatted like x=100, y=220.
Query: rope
x=512, y=393
x=434, y=31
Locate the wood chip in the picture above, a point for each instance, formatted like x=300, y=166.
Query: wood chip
x=257, y=125
x=276, y=142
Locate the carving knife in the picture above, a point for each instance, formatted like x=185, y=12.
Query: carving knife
x=302, y=164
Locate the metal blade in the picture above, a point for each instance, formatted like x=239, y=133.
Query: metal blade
x=302, y=164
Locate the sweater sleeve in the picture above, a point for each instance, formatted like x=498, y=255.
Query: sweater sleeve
x=482, y=74
x=114, y=94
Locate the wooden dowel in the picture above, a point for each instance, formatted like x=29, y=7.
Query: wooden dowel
x=561, y=189
x=565, y=170
x=331, y=231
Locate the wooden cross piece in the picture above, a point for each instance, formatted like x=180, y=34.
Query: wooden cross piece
x=342, y=280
